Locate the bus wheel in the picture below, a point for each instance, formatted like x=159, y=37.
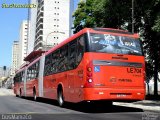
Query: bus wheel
x=34, y=95
x=60, y=97
x=20, y=93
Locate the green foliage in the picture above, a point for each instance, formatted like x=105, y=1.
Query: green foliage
x=83, y=14
x=156, y=27
x=117, y=14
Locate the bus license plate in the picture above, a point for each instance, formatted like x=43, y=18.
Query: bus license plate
x=121, y=95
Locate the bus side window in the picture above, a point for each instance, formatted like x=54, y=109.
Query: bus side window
x=54, y=61
x=63, y=59
x=72, y=54
x=22, y=76
x=37, y=69
x=47, y=68
x=80, y=48
x=28, y=74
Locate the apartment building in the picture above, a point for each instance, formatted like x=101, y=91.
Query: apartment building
x=32, y=16
x=15, y=57
x=23, y=41
x=53, y=22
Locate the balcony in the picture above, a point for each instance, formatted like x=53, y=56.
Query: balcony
x=40, y=4
x=39, y=27
x=39, y=16
x=39, y=32
x=40, y=9
x=39, y=38
x=39, y=41
x=38, y=46
x=40, y=21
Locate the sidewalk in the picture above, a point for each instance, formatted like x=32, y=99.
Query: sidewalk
x=6, y=92
x=146, y=105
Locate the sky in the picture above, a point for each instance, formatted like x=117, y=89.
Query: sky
x=10, y=20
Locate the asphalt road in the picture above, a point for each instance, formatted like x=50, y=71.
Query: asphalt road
x=12, y=107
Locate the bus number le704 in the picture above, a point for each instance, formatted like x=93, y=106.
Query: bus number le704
x=134, y=70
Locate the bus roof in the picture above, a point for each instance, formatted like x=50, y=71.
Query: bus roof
x=21, y=69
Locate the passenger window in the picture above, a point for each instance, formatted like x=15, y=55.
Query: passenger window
x=81, y=49
x=72, y=54
x=55, y=59
x=63, y=59
x=47, y=69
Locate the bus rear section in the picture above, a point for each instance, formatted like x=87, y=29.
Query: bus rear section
x=115, y=73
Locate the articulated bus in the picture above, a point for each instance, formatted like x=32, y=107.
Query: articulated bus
x=95, y=64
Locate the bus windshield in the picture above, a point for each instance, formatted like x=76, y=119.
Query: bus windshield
x=108, y=43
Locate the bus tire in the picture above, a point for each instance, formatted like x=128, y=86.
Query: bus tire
x=34, y=94
x=60, y=97
x=20, y=93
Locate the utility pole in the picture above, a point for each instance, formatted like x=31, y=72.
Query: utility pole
x=132, y=16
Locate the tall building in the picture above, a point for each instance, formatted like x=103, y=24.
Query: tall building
x=23, y=42
x=32, y=15
x=51, y=23
x=4, y=71
x=15, y=57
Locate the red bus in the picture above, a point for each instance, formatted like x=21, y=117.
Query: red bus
x=96, y=64
x=19, y=82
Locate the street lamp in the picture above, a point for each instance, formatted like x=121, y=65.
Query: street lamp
x=47, y=38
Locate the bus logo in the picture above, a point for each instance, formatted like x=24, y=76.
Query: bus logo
x=97, y=68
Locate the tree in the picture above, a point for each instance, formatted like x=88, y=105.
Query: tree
x=156, y=26
x=110, y=13
x=83, y=15
x=152, y=37
x=117, y=14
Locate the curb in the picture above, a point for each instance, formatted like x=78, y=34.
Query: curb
x=153, y=108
